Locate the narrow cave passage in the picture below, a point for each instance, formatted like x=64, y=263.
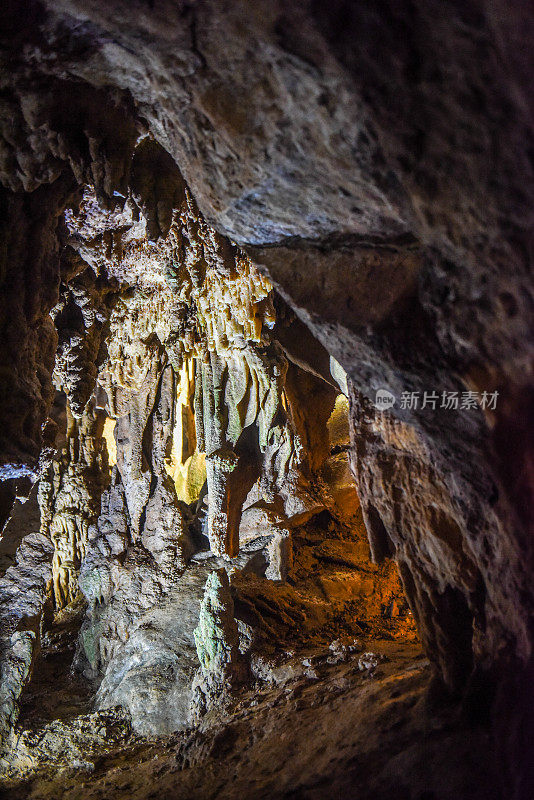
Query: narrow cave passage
x=266, y=418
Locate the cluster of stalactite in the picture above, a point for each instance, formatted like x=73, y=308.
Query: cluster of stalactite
x=194, y=301
x=239, y=378
x=196, y=420
x=192, y=424
x=182, y=408
x=70, y=487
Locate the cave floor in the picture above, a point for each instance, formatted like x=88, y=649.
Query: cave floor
x=328, y=723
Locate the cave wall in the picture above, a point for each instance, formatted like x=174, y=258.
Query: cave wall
x=375, y=165
x=171, y=349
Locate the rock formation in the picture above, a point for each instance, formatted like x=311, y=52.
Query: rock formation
x=230, y=230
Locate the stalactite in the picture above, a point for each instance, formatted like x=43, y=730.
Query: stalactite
x=69, y=496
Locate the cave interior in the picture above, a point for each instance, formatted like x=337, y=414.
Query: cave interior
x=266, y=400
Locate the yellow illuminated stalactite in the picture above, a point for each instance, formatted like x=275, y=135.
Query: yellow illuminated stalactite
x=231, y=310
x=185, y=465
x=109, y=437
x=69, y=499
x=197, y=301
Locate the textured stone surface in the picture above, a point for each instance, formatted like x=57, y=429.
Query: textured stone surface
x=374, y=163
x=24, y=590
x=316, y=724
x=69, y=497
x=217, y=645
x=151, y=674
